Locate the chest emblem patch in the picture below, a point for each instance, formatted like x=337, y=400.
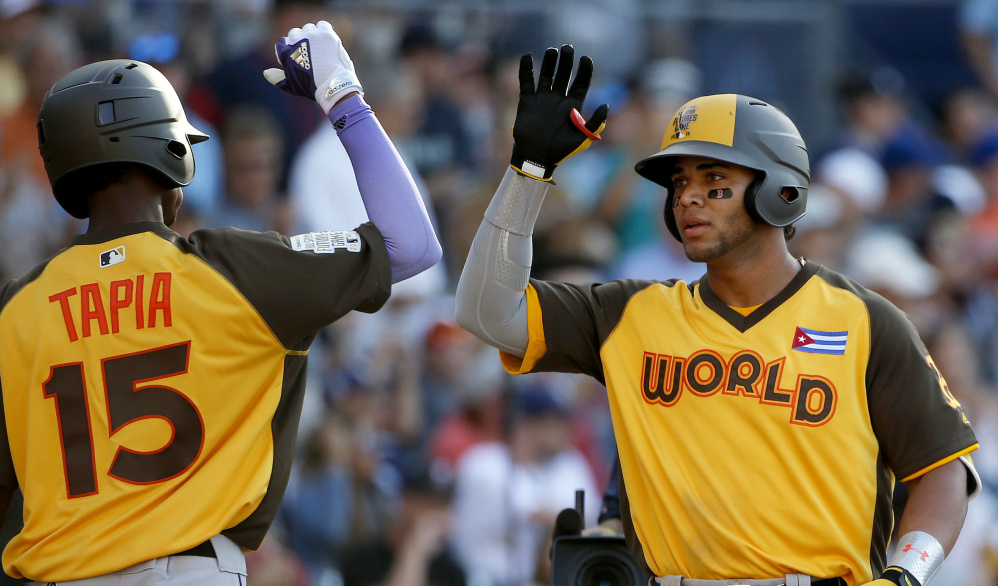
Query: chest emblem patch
x=819, y=342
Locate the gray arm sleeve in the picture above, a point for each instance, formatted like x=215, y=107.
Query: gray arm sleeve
x=491, y=294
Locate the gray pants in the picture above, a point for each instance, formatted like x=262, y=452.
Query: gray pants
x=789, y=580
x=177, y=570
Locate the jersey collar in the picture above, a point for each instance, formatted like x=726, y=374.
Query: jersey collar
x=743, y=322
x=113, y=232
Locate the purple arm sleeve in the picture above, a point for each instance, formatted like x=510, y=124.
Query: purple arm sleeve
x=390, y=195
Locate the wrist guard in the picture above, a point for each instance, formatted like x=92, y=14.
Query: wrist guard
x=918, y=556
x=516, y=204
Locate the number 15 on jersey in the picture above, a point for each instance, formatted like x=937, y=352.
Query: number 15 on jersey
x=134, y=389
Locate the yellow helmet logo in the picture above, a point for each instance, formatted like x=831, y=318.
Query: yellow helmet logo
x=681, y=123
x=709, y=119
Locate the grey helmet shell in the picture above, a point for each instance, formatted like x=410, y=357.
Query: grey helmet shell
x=116, y=111
x=745, y=131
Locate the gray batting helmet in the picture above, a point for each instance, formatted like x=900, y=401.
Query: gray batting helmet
x=744, y=131
x=117, y=111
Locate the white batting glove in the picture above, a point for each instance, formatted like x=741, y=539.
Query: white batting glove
x=314, y=65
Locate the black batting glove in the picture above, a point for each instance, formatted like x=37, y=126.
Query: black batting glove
x=549, y=127
x=895, y=575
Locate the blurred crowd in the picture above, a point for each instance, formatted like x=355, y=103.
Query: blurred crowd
x=420, y=462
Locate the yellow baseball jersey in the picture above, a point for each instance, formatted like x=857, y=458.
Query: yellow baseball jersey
x=754, y=446
x=152, y=386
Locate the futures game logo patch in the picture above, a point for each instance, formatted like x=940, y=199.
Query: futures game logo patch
x=112, y=257
x=681, y=124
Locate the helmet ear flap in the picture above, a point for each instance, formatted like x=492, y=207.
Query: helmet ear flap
x=751, y=193
x=670, y=216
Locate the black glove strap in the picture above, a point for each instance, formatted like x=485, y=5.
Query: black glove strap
x=899, y=576
x=525, y=166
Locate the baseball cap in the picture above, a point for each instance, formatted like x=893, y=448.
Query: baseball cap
x=984, y=150
x=886, y=260
x=419, y=36
x=433, y=479
x=615, y=94
x=857, y=174
x=540, y=401
x=671, y=81
x=911, y=146
x=824, y=210
x=13, y=8
x=155, y=49
x=857, y=84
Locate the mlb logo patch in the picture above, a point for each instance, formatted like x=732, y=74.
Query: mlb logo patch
x=112, y=257
x=819, y=341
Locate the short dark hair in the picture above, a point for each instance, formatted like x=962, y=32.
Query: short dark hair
x=90, y=180
x=87, y=181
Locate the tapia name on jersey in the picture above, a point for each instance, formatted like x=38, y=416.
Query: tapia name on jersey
x=705, y=372
x=95, y=312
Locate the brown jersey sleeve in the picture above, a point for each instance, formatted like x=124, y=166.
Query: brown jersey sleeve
x=297, y=292
x=577, y=320
x=915, y=418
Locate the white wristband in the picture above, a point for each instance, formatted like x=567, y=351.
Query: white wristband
x=919, y=553
x=328, y=94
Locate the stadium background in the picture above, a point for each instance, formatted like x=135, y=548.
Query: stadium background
x=409, y=417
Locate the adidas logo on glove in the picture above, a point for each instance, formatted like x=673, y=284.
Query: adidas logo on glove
x=301, y=56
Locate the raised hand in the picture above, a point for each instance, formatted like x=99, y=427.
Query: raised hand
x=549, y=127
x=314, y=65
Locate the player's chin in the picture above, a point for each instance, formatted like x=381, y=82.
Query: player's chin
x=699, y=251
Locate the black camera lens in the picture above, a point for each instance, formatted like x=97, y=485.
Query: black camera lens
x=604, y=573
x=604, y=569
x=594, y=561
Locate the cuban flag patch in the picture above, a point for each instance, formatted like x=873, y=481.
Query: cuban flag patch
x=820, y=342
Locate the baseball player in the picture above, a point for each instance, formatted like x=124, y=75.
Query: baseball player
x=152, y=383
x=762, y=413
